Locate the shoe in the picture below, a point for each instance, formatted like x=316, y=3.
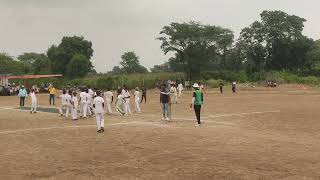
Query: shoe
x=162, y=118
x=99, y=131
x=167, y=119
x=30, y=112
x=35, y=112
x=102, y=129
x=198, y=125
x=61, y=115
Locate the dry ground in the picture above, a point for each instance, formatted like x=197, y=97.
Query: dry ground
x=255, y=134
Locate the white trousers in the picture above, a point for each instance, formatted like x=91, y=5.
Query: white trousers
x=108, y=105
x=180, y=93
x=83, y=109
x=74, y=112
x=89, y=109
x=137, y=105
x=127, y=108
x=100, y=120
x=64, y=107
x=174, y=98
x=33, y=106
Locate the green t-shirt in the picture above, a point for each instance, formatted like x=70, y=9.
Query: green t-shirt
x=198, y=97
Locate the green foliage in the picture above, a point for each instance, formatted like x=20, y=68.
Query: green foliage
x=10, y=66
x=213, y=83
x=79, y=66
x=61, y=56
x=35, y=63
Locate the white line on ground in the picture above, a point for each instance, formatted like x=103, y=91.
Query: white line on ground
x=24, y=110
x=243, y=114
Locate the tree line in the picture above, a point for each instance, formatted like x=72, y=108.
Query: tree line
x=275, y=42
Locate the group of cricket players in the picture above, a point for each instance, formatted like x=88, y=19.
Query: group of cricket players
x=97, y=103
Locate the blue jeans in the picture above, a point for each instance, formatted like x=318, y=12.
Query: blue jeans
x=166, y=110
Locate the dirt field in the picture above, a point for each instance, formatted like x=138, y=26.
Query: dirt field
x=255, y=134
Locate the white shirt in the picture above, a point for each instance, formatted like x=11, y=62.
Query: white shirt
x=64, y=99
x=126, y=94
x=83, y=97
x=33, y=97
x=120, y=100
x=180, y=87
x=69, y=98
x=136, y=95
x=75, y=101
x=98, y=101
x=89, y=98
x=91, y=92
x=173, y=89
x=108, y=96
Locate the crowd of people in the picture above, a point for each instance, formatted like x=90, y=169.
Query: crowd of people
x=93, y=102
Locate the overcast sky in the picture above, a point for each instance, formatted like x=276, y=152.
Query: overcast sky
x=116, y=26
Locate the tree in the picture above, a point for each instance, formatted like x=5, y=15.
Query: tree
x=61, y=55
x=130, y=64
x=79, y=66
x=10, y=66
x=196, y=46
x=275, y=43
x=35, y=63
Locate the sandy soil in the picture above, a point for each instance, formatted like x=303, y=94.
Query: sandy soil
x=257, y=133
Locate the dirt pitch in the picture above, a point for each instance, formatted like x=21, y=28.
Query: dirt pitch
x=255, y=134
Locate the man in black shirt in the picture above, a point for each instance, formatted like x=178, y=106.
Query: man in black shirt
x=165, y=102
x=221, y=87
x=144, y=95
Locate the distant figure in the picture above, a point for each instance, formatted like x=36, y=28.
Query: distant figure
x=165, y=102
x=144, y=95
x=98, y=105
x=52, y=92
x=201, y=87
x=197, y=102
x=83, y=103
x=221, y=87
x=126, y=95
x=109, y=99
x=120, y=104
x=74, y=108
x=174, y=94
x=137, y=100
x=89, y=101
x=234, y=86
x=180, y=89
x=33, y=102
x=22, y=95
x=65, y=103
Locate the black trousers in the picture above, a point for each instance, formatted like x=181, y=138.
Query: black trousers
x=197, y=110
x=221, y=90
x=22, y=101
x=144, y=96
x=51, y=99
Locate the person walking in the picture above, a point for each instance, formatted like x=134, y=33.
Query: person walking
x=83, y=104
x=234, y=86
x=144, y=95
x=165, y=102
x=52, y=95
x=126, y=95
x=33, y=102
x=180, y=89
x=197, y=102
x=65, y=103
x=221, y=87
x=98, y=105
x=74, y=107
x=22, y=95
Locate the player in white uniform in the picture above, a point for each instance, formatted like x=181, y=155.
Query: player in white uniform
x=74, y=108
x=83, y=104
x=137, y=100
x=98, y=105
x=109, y=99
x=33, y=101
x=174, y=94
x=65, y=103
x=120, y=105
x=89, y=102
x=126, y=96
x=180, y=89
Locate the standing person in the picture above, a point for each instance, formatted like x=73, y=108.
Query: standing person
x=83, y=103
x=109, y=99
x=144, y=95
x=126, y=95
x=186, y=84
x=120, y=104
x=33, y=101
x=173, y=92
x=65, y=103
x=221, y=87
x=201, y=86
x=69, y=97
x=180, y=89
x=233, y=85
x=74, y=108
x=197, y=101
x=98, y=105
x=89, y=102
x=22, y=95
x=52, y=92
x=165, y=102
x=137, y=100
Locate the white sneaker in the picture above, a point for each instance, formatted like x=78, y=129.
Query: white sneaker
x=198, y=125
x=162, y=118
x=167, y=119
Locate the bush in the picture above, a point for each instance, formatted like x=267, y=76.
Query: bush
x=213, y=83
